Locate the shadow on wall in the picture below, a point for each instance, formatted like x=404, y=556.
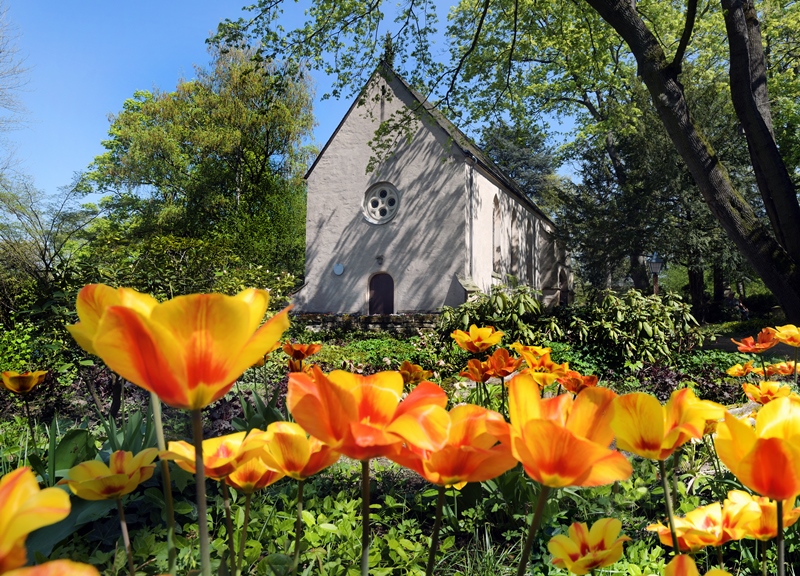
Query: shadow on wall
x=422, y=248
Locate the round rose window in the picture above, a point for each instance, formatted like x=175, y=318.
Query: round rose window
x=380, y=203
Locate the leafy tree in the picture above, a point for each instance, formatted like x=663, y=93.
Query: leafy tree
x=219, y=160
x=585, y=55
x=521, y=151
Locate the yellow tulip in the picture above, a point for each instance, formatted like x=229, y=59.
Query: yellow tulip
x=188, y=350
x=56, y=568
x=289, y=450
x=252, y=475
x=650, y=430
x=23, y=509
x=788, y=334
x=766, y=391
x=477, y=339
x=584, y=550
x=22, y=383
x=94, y=480
x=221, y=455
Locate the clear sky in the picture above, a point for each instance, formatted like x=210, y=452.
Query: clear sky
x=85, y=57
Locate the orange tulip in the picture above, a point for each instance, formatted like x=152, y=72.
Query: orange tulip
x=22, y=383
x=299, y=352
x=765, y=459
x=765, y=391
x=585, y=550
x=413, y=374
x=56, y=568
x=23, y=509
x=221, y=455
x=560, y=441
x=788, y=334
x=362, y=416
x=650, y=430
x=253, y=474
x=188, y=350
x=477, y=371
x=574, y=382
x=711, y=525
x=765, y=525
x=766, y=340
x=683, y=565
x=470, y=452
x=501, y=364
x=94, y=480
x=781, y=369
x=477, y=339
x=534, y=351
x=737, y=370
x=289, y=450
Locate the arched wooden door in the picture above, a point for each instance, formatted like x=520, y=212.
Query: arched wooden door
x=381, y=294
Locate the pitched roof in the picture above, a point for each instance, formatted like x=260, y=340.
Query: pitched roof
x=464, y=142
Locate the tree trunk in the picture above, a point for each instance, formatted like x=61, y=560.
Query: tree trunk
x=697, y=293
x=639, y=273
x=776, y=261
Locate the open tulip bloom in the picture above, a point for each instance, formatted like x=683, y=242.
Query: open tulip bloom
x=584, y=550
x=362, y=417
x=95, y=480
x=23, y=382
x=23, y=509
x=560, y=442
x=188, y=350
x=477, y=340
x=221, y=455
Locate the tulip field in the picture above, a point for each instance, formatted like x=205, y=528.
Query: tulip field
x=204, y=435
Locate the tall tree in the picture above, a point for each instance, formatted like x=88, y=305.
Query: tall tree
x=590, y=52
x=220, y=158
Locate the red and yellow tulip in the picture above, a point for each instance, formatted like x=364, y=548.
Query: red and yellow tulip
x=253, y=474
x=788, y=334
x=575, y=382
x=764, y=392
x=221, y=455
x=188, y=350
x=683, y=565
x=22, y=383
x=299, y=352
x=56, y=568
x=765, y=459
x=289, y=450
x=470, y=452
x=477, y=371
x=739, y=370
x=23, y=509
x=501, y=363
x=585, y=550
x=645, y=427
x=543, y=370
x=477, y=339
x=711, y=525
x=413, y=374
x=362, y=416
x=765, y=525
x=560, y=441
x=94, y=480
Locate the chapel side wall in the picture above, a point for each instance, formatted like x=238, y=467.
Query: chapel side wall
x=513, y=240
x=422, y=248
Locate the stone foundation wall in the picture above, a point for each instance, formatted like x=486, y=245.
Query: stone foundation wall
x=409, y=324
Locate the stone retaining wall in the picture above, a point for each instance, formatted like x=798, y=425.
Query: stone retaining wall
x=409, y=324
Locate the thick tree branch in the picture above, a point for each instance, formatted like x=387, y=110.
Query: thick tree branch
x=691, y=16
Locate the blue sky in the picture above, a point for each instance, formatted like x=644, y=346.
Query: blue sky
x=85, y=57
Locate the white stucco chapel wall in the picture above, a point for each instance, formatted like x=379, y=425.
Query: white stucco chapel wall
x=422, y=247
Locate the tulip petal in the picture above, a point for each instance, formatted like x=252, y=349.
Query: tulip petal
x=772, y=469
x=733, y=441
x=261, y=342
x=591, y=414
x=322, y=408
x=638, y=422
x=425, y=393
x=376, y=396
x=425, y=427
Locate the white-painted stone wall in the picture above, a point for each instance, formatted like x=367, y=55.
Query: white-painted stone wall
x=422, y=247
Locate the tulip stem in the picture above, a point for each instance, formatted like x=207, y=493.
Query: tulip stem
x=365, y=540
x=437, y=523
x=226, y=503
x=30, y=421
x=779, y=541
x=763, y=558
x=298, y=527
x=668, y=500
x=243, y=534
x=535, y=522
x=125, y=538
x=796, y=350
x=719, y=557
x=200, y=478
x=166, y=484
x=676, y=462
